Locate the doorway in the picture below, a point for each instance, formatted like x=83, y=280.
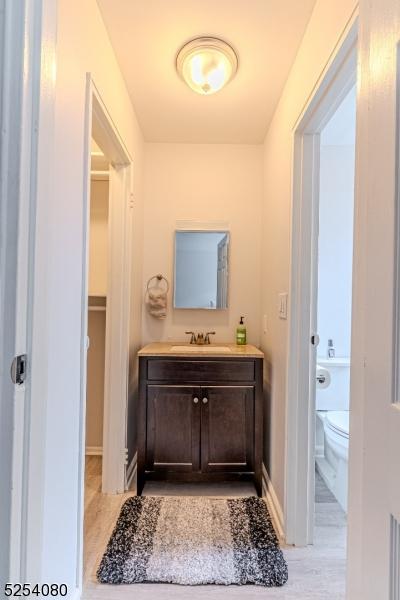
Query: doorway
x=97, y=308
x=105, y=311
x=334, y=308
x=310, y=156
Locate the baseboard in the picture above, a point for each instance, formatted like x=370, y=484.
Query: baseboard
x=76, y=594
x=131, y=471
x=273, y=504
x=94, y=451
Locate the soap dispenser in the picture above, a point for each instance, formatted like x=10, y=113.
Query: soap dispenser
x=241, y=333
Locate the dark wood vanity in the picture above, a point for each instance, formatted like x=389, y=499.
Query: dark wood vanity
x=200, y=415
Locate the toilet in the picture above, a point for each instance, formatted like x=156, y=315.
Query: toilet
x=332, y=425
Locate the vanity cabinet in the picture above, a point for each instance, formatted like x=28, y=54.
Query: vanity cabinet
x=200, y=419
x=227, y=429
x=172, y=428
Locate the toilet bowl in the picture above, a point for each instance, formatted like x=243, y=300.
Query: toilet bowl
x=333, y=464
x=332, y=429
x=336, y=427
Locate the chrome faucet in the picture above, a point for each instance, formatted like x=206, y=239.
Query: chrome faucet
x=200, y=339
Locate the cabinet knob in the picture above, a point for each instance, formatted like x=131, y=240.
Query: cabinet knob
x=195, y=400
x=205, y=400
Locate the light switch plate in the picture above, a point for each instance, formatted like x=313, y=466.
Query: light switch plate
x=265, y=323
x=283, y=301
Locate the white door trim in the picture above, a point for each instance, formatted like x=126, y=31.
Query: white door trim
x=335, y=82
x=33, y=53
x=99, y=123
x=117, y=342
x=14, y=225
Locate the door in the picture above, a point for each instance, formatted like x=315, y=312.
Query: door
x=173, y=428
x=18, y=169
x=227, y=428
x=374, y=502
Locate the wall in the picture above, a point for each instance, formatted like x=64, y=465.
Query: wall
x=203, y=183
x=322, y=35
x=335, y=248
x=98, y=260
x=336, y=218
x=82, y=47
x=98, y=240
x=95, y=379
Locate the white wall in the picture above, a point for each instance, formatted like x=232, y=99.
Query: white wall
x=203, y=183
x=335, y=247
x=98, y=240
x=82, y=46
x=95, y=379
x=98, y=261
x=336, y=221
x=323, y=33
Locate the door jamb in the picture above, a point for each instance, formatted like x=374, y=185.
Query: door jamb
x=335, y=83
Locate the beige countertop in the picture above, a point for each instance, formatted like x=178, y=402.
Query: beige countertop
x=233, y=350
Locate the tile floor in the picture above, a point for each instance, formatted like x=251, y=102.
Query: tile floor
x=315, y=573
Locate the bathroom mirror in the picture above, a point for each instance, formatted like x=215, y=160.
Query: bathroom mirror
x=201, y=269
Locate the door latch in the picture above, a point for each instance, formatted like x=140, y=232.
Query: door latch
x=18, y=369
x=315, y=339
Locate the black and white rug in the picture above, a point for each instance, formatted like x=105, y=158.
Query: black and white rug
x=193, y=541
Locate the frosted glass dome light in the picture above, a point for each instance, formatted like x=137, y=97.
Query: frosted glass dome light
x=206, y=64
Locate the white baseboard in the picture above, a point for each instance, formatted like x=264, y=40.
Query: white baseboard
x=75, y=595
x=94, y=451
x=131, y=471
x=273, y=504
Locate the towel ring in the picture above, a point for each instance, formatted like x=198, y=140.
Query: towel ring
x=160, y=278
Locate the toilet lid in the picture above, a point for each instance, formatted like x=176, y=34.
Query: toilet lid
x=338, y=420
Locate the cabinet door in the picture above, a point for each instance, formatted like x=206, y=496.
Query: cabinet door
x=173, y=428
x=227, y=428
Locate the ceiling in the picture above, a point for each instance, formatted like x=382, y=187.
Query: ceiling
x=146, y=36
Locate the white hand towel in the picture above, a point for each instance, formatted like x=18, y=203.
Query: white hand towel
x=157, y=303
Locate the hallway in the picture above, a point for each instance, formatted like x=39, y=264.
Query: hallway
x=316, y=572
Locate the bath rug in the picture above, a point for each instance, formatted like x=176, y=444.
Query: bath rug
x=193, y=541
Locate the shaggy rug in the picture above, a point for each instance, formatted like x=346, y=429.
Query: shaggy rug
x=193, y=541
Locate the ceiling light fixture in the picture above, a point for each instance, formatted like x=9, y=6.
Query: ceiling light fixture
x=206, y=64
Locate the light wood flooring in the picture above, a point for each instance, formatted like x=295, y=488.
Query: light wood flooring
x=315, y=573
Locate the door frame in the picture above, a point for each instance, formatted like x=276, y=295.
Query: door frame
x=335, y=82
x=30, y=51
x=99, y=124
x=15, y=205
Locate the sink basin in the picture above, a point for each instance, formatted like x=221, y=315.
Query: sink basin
x=195, y=348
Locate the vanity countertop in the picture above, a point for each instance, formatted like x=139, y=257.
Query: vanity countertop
x=222, y=349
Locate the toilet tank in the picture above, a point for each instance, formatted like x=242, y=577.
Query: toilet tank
x=337, y=395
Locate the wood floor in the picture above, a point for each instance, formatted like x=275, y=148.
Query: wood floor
x=315, y=573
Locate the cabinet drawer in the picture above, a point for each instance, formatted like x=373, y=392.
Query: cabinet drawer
x=200, y=370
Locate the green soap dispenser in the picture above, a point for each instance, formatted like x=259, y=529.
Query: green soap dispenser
x=241, y=333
